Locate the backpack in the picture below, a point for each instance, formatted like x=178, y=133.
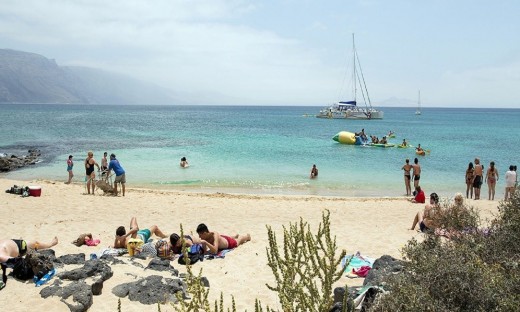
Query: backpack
x=195, y=253
x=18, y=190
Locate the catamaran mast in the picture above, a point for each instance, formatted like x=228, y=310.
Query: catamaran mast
x=354, y=75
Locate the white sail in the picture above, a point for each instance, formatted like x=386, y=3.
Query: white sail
x=418, y=111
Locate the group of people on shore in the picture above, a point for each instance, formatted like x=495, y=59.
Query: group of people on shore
x=105, y=169
x=412, y=172
x=475, y=178
x=138, y=240
x=427, y=218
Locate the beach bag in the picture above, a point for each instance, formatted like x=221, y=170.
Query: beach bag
x=195, y=253
x=163, y=249
x=18, y=190
x=22, y=270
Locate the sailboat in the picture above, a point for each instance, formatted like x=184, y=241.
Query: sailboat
x=418, y=111
x=350, y=109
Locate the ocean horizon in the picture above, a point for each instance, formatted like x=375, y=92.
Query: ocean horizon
x=261, y=149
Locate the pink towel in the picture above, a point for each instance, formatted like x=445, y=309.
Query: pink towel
x=92, y=242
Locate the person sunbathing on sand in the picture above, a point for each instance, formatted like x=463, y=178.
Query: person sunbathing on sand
x=12, y=248
x=123, y=238
x=215, y=242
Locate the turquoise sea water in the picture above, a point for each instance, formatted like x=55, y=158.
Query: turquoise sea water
x=261, y=149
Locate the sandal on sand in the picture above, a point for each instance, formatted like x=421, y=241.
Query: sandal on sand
x=2, y=285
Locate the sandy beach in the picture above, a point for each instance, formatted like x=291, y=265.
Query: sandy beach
x=373, y=226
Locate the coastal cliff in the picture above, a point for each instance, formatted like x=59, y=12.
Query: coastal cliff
x=32, y=78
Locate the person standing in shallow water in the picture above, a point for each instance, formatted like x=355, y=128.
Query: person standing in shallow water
x=314, y=172
x=511, y=181
x=184, y=163
x=70, y=165
x=469, y=180
x=477, y=178
x=416, y=172
x=407, y=177
x=491, y=180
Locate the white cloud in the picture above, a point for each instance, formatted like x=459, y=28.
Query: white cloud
x=236, y=48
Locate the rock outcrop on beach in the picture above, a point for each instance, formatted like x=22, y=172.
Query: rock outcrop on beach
x=78, y=287
x=381, y=269
x=32, y=78
x=12, y=162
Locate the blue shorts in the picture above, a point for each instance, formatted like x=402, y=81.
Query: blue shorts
x=144, y=235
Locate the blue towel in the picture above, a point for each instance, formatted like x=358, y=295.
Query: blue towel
x=45, y=278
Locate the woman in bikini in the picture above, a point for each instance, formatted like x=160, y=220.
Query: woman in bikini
x=491, y=180
x=407, y=177
x=469, y=180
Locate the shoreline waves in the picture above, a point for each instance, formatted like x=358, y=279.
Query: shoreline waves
x=265, y=150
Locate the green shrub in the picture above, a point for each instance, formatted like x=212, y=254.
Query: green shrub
x=475, y=270
x=305, y=269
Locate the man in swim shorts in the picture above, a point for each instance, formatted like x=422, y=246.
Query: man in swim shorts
x=215, y=242
x=120, y=173
x=477, y=178
x=416, y=172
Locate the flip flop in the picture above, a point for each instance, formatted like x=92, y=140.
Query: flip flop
x=2, y=285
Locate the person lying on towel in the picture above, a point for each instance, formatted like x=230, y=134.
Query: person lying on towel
x=213, y=242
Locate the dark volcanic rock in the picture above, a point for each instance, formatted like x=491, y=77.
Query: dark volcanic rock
x=73, y=259
x=8, y=163
x=151, y=290
x=81, y=295
x=91, y=268
x=162, y=265
x=384, y=266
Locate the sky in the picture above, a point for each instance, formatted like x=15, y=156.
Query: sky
x=463, y=53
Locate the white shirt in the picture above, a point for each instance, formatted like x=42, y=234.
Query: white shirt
x=510, y=178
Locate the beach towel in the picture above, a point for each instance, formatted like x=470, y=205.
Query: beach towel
x=220, y=255
x=45, y=278
x=112, y=252
x=356, y=262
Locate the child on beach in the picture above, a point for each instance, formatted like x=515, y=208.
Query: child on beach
x=70, y=164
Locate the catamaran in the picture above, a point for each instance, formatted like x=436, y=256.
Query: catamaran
x=350, y=109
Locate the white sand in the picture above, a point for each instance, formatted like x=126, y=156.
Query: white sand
x=373, y=226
